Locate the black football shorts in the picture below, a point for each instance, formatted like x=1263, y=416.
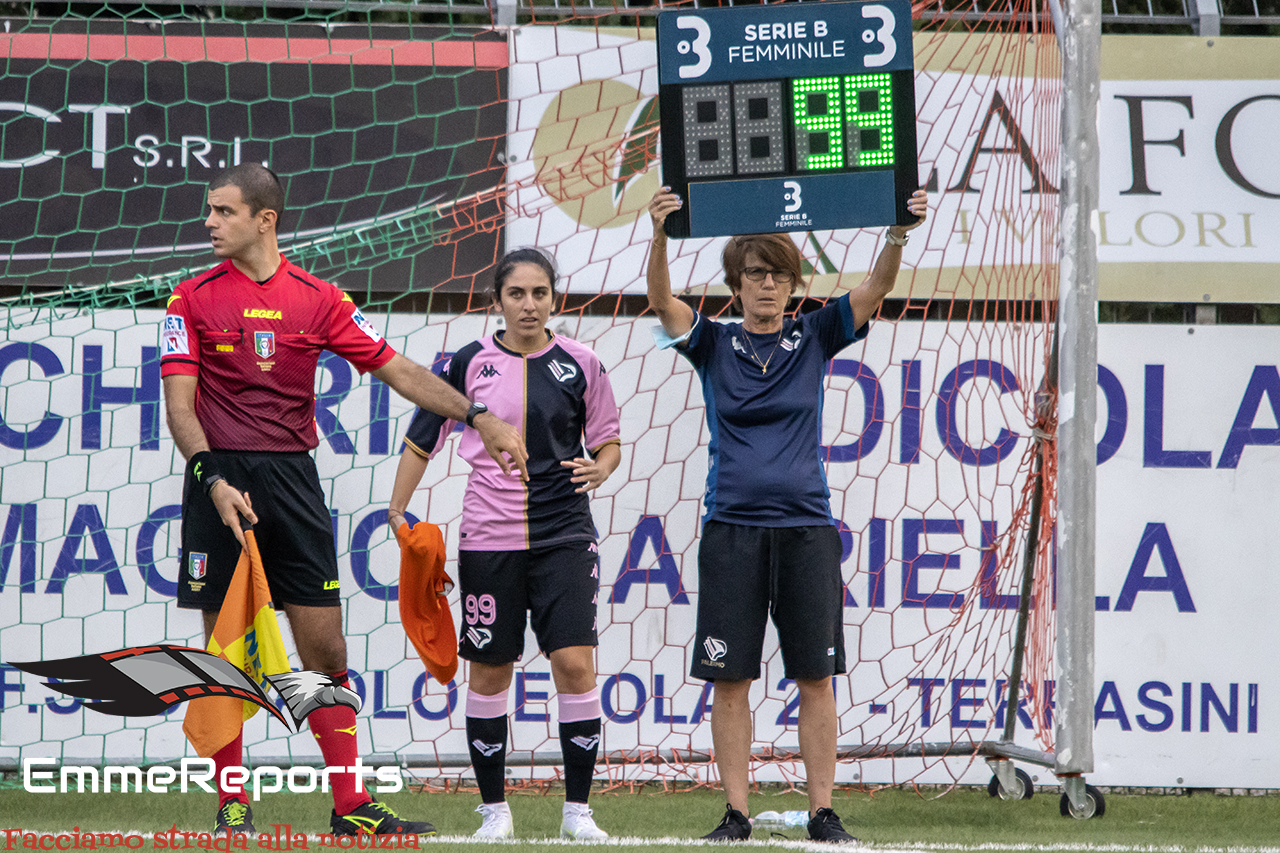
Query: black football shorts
x=294, y=533
x=747, y=574
x=557, y=586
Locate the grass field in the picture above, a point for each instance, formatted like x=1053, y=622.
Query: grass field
x=657, y=822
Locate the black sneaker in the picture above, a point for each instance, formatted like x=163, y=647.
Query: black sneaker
x=734, y=827
x=234, y=816
x=374, y=818
x=825, y=825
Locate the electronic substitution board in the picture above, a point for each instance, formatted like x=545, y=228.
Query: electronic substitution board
x=790, y=117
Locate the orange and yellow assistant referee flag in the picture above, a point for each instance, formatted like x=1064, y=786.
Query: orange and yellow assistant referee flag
x=247, y=636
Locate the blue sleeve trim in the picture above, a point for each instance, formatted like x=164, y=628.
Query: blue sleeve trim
x=846, y=320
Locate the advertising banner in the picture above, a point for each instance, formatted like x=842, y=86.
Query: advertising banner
x=1189, y=431
x=385, y=139
x=1188, y=188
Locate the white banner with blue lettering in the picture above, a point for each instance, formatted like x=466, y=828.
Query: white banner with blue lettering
x=926, y=426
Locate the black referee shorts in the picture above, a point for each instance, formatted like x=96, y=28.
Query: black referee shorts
x=294, y=533
x=747, y=574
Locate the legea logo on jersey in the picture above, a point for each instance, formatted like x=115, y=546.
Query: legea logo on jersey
x=264, y=344
x=563, y=371
x=699, y=47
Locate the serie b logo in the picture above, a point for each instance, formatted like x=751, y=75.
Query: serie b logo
x=699, y=46
x=791, y=196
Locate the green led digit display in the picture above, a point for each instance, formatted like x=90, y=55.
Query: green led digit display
x=837, y=123
x=819, y=125
x=843, y=122
x=868, y=120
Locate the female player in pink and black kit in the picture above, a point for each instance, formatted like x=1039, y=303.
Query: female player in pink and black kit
x=527, y=546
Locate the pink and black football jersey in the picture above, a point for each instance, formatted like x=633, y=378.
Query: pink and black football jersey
x=254, y=347
x=560, y=398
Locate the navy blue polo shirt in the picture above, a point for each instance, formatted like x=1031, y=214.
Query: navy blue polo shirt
x=766, y=466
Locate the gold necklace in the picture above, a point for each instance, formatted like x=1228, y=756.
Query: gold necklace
x=764, y=365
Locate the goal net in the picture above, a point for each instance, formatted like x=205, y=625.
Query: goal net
x=414, y=154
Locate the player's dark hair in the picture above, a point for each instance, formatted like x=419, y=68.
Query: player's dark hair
x=776, y=250
x=259, y=187
x=537, y=257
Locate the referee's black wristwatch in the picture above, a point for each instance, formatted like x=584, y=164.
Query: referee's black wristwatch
x=476, y=409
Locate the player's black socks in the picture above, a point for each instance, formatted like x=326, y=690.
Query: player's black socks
x=487, y=743
x=579, y=742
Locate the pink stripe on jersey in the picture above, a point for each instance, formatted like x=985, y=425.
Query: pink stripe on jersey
x=493, y=507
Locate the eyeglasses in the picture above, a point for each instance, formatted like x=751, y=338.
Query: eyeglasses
x=758, y=274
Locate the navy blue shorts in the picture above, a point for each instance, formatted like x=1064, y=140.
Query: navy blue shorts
x=294, y=533
x=747, y=574
x=558, y=587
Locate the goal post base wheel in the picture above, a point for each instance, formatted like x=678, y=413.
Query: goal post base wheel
x=1019, y=787
x=1088, y=802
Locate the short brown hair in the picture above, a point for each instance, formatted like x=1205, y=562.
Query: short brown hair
x=259, y=187
x=776, y=250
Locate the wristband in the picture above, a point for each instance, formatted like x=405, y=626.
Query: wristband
x=895, y=241
x=203, y=468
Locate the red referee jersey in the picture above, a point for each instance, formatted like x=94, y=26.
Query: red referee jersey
x=254, y=348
